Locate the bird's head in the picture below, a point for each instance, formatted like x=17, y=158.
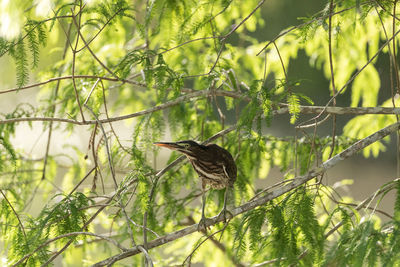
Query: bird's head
x=187, y=147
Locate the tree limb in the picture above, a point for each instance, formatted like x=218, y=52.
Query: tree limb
x=206, y=93
x=350, y=151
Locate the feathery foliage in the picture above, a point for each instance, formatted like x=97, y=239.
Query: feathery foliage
x=111, y=77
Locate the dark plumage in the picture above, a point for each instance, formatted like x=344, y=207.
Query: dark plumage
x=214, y=165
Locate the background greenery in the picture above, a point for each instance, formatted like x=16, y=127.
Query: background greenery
x=102, y=80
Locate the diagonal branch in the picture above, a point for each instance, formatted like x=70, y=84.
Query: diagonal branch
x=67, y=77
x=299, y=180
x=15, y=213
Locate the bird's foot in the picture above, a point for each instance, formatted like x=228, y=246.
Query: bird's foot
x=202, y=226
x=226, y=214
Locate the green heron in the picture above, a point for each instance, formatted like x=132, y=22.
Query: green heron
x=214, y=165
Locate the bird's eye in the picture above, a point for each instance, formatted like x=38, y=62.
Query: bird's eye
x=186, y=145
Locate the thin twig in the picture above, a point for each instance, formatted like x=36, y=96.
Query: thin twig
x=17, y=89
x=225, y=37
x=53, y=108
x=189, y=257
x=100, y=30
x=331, y=6
x=111, y=166
x=71, y=234
x=283, y=33
x=363, y=203
x=89, y=221
x=21, y=226
x=77, y=25
x=219, y=245
x=393, y=67
x=90, y=50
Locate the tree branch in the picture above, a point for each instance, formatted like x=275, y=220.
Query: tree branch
x=16, y=89
x=350, y=151
x=206, y=93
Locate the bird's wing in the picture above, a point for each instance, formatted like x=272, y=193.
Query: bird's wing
x=224, y=168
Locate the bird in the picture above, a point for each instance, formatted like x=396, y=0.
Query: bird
x=214, y=165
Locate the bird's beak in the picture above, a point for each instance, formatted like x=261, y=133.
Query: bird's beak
x=173, y=146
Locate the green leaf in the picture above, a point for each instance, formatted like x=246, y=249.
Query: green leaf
x=294, y=107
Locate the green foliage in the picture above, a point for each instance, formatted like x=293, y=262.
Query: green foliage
x=283, y=230
x=397, y=203
x=281, y=236
x=251, y=112
x=4, y=46
x=10, y=155
x=18, y=53
x=131, y=59
x=35, y=36
x=391, y=255
x=294, y=107
x=358, y=246
x=308, y=223
x=34, y=39
x=173, y=70
x=67, y=216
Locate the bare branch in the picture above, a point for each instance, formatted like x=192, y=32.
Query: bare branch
x=205, y=93
x=67, y=78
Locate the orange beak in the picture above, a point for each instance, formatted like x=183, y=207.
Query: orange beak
x=173, y=146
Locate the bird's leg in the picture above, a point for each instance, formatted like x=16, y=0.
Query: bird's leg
x=203, y=221
x=224, y=210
